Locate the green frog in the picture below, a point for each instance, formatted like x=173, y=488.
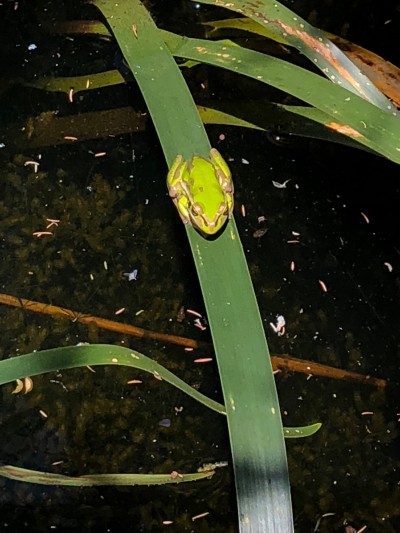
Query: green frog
x=202, y=190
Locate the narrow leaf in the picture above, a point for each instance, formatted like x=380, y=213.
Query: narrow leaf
x=304, y=431
x=297, y=32
x=254, y=421
x=37, y=363
x=47, y=478
x=362, y=121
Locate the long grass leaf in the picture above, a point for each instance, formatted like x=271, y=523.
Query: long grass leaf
x=352, y=116
x=253, y=413
x=302, y=431
x=271, y=113
x=48, y=478
x=44, y=361
x=297, y=32
x=37, y=363
x=362, y=121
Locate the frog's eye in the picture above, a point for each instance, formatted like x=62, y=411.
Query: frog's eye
x=223, y=209
x=196, y=210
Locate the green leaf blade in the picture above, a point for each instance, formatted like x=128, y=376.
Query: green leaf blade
x=48, y=478
x=286, y=25
x=261, y=474
x=365, y=123
x=54, y=359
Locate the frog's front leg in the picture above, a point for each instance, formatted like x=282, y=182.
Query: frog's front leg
x=222, y=170
x=175, y=184
x=180, y=201
x=181, y=204
x=175, y=175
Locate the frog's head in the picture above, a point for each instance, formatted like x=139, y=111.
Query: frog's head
x=208, y=219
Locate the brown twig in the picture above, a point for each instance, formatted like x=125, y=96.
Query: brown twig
x=103, y=323
x=279, y=362
x=290, y=364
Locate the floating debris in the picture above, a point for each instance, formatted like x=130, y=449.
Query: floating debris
x=19, y=386
x=34, y=164
x=323, y=285
x=279, y=327
x=180, y=317
x=206, y=467
x=194, y=313
x=280, y=185
x=52, y=222
x=202, y=515
x=24, y=385
x=132, y=276
x=260, y=233
x=41, y=233
x=199, y=325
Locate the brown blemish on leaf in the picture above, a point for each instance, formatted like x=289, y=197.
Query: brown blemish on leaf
x=324, y=51
x=344, y=129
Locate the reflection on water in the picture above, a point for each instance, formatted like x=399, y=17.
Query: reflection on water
x=323, y=264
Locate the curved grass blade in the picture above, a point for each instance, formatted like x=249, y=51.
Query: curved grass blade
x=215, y=116
x=364, y=122
x=291, y=120
x=47, y=478
x=302, y=431
x=378, y=131
x=383, y=74
x=304, y=128
x=244, y=24
x=37, y=363
x=297, y=32
x=150, y=64
x=79, y=83
x=44, y=361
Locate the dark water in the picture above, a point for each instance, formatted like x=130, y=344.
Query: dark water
x=340, y=205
